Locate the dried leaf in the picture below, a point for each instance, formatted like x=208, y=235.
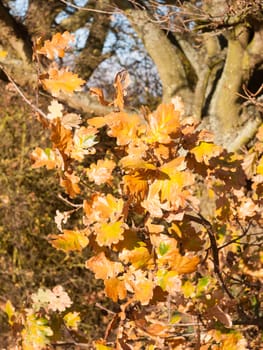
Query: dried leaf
x=205, y=151
x=70, y=240
x=101, y=172
x=103, y=267
x=56, y=46
x=109, y=233
x=70, y=184
x=115, y=289
x=61, y=81
x=99, y=93
x=55, y=110
x=71, y=120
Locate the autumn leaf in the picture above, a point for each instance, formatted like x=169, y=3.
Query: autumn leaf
x=115, y=289
x=109, y=233
x=123, y=126
x=71, y=120
x=48, y=158
x=162, y=124
x=55, y=110
x=169, y=281
x=139, y=257
x=72, y=320
x=61, y=137
x=121, y=82
x=70, y=240
x=36, y=333
x=103, y=208
x=61, y=80
x=143, y=291
x=136, y=186
x=205, y=151
x=83, y=141
x=99, y=93
x=70, y=183
x=56, y=46
x=101, y=172
x=3, y=53
x=103, y=267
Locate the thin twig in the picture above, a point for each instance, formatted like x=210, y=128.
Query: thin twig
x=35, y=108
x=88, y=8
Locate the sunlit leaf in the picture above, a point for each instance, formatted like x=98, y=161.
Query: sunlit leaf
x=121, y=83
x=143, y=291
x=139, y=257
x=72, y=320
x=115, y=289
x=162, y=124
x=205, y=151
x=103, y=267
x=56, y=46
x=62, y=80
x=10, y=311
x=71, y=120
x=109, y=233
x=36, y=334
x=70, y=183
x=55, y=110
x=48, y=158
x=101, y=172
x=70, y=240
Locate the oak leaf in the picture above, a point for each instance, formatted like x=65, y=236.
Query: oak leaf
x=162, y=124
x=56, y=46
x=48, y=158
x=205, y=151
x=109, y=233
x=101, y=172
x=103, y=267
x=70, y=184
x=115, y=289
x=143, y=291
x=70, y=240
x=61, y=80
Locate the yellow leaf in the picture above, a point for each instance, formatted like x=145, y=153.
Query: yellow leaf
x=205, y=151
x=10, y=311
x=62, y=81
x=3, y=53
x=260, y=166
x=139, y=257
x=103, y=267
x=109, y=233
x=70, y=240
x=162, y=124
x=72, y=320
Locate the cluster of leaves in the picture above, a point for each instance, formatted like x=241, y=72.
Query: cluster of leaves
x=173, y=219
x=48, y=308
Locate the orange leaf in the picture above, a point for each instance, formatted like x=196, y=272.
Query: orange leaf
x=115, y=289
x=143, y=291
x=56, y=46
x=70, y=240
x=62, y=81
x=103, y=267
x=103, y=208
x=162, y=124
x=123, y=126
x=99, y=93
x=70, y=183
x=121, y=83
x=48, y=158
